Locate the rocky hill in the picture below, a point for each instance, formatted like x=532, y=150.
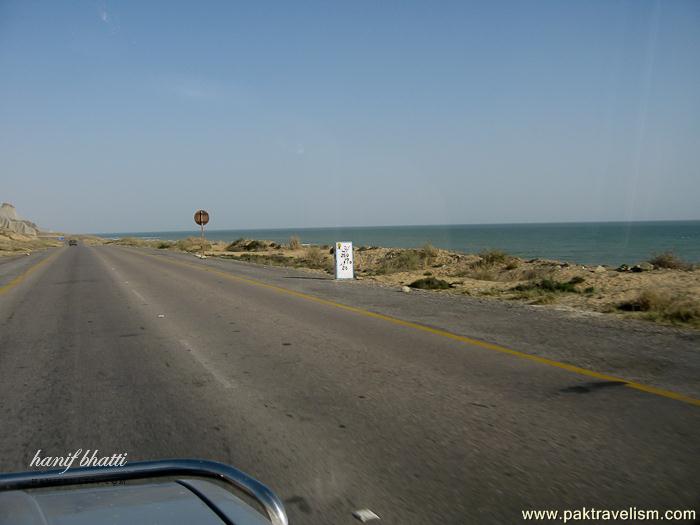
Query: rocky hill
x=10, y=221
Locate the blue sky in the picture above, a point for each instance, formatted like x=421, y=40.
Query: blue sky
x=119, y=116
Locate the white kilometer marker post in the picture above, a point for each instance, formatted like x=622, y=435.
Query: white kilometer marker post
x=343, y=260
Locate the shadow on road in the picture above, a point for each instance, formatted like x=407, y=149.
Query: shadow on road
x=590, y=387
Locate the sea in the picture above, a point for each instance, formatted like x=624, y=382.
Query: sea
x=608, y=243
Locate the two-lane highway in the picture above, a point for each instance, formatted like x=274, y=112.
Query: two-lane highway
x=118, y=350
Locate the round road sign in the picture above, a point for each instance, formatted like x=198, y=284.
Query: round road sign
x=201, y=217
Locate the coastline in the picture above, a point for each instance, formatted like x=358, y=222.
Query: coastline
x=657, y=292
x=590, y=243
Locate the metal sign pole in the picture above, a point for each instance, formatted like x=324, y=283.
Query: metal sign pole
x=201, y=217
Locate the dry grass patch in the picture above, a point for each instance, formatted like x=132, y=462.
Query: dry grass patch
x=402, y=261
x=245, y=245
x=130, y=241
x=532, y=274
x=546, y=291
x=656, y=305
x=430, y=283
x=670, y=260
x=236, y=245
x=294, y=242
x=493, y=257
x=492, y=265
x=429, y=253
x=13, y=243
x=481, y=274
x=271, y=260
x=317, y=259
x=192, y=244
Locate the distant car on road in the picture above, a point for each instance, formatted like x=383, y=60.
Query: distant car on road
x=72, y=242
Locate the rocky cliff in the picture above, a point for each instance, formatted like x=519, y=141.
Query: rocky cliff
x=11, y=221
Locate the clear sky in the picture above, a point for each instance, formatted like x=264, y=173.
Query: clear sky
x=127, y=116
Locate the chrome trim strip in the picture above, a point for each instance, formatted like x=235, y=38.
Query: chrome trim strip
x=145, y=469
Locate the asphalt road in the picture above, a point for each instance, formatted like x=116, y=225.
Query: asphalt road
x=163, y=356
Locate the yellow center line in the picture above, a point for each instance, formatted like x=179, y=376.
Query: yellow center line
x=21, y=277
x=436, y=331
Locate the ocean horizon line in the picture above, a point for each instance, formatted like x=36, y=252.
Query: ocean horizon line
x=603, y=242
x=440, y=225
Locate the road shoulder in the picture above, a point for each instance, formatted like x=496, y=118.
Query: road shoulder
x=15, y=268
